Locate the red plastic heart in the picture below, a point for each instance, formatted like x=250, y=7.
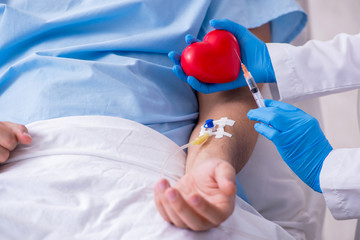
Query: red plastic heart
x=213, y=60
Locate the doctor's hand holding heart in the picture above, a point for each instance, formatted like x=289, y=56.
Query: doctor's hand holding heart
x=213, y=65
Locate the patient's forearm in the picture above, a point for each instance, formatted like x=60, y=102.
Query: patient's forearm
x=233, y=104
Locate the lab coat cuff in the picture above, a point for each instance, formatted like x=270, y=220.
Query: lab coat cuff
x=285, y=74
x=334, y=187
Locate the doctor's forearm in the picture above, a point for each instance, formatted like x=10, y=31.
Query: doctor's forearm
x=340, y=181
x=317, y=68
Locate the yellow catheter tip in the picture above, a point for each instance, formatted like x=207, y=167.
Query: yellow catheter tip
x=201, y=139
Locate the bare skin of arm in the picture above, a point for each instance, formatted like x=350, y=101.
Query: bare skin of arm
x=205, y=196
x=233, y=104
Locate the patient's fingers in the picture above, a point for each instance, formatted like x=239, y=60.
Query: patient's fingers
x=159, y=189
x=225, y=176
x=8, y=139
x=20, y=131
x=4, y=154
x=186, y=213
x=166, y=199
x=212, y=213
x=11, y=134
x=163, y=206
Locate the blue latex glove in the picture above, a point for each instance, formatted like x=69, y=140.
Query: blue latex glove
x=254, y=54
x=297, y=136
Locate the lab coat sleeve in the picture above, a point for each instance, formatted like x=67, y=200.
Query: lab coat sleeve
x=340, y=183
x=316, y=68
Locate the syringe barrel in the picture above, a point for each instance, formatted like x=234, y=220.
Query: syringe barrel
x=250, y=82
x=254, y=90
x=258, y=98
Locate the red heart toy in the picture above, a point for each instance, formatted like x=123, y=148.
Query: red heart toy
x=213, y=60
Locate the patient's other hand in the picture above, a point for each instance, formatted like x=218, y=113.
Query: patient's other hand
x=10, y=135
x=203, y=198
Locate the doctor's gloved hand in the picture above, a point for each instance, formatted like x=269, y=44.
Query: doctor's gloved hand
x=202, y=199
x=254, y=54
x=10, y=135
x=297, y=136
x=175, y=57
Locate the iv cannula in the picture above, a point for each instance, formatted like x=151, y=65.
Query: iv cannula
x=197, y=141
x=252, y=84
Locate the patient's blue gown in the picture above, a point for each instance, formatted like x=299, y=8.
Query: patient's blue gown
x=109, y=57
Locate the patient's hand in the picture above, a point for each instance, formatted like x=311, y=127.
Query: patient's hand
x=203, y=198
x=10, y=135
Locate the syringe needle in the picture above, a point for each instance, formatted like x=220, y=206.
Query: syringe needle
x=238, y=56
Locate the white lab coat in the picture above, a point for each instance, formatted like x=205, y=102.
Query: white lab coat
x=317, y=69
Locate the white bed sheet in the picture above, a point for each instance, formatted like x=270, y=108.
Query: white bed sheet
x=92, y=177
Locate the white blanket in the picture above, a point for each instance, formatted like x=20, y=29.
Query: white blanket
x=92, y=178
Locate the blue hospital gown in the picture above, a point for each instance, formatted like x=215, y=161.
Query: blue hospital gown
x=109, y=57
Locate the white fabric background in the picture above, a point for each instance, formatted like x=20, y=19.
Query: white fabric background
x=93, y=177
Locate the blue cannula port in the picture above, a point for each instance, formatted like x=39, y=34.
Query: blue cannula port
x=209, y=123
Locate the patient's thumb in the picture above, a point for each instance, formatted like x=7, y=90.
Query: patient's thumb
x=21, y=133
x=226, y=178
x=24, y=138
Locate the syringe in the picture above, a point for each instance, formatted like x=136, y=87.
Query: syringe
x=252, y=85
